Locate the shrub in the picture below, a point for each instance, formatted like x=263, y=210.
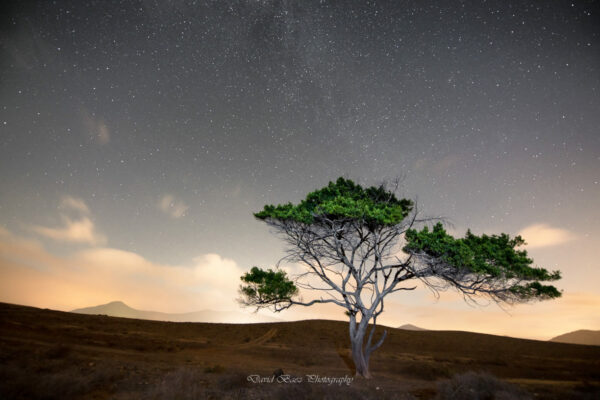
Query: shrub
x=428, y=371
x=215, y=369
x=68, y=383
x=58, y=351
x=181, y=384
x=479, y=386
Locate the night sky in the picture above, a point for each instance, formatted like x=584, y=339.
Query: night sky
x=140, y=137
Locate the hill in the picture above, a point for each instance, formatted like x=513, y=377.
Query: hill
x=60, y=355
x=411, y=327
x=120, y=309
x=581, y=336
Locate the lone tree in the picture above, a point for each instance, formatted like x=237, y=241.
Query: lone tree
x=362, y=244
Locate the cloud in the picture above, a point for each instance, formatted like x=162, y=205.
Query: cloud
x=174, y=207
x=33, y=276
x=103, y=135
x=73, y=203
x=96, y=128
x=543, y=235
x=75, y=230
x=442, y=166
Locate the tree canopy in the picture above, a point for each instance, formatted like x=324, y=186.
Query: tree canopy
x=343, y=200
x=491, y=258
x=268, y=286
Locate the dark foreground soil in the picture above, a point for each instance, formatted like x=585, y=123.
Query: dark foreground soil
x=47, y=354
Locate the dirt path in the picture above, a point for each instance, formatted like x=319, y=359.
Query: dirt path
x=270, y=334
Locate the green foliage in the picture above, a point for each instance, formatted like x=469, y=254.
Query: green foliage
x=536, y=290
x=267, y=287
x=494, y=256
x=343, y=200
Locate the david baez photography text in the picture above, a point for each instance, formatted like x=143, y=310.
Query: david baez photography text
x=285, y=379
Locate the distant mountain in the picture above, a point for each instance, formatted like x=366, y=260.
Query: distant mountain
x=120, y=309
x=582, y=336
x=410, y=327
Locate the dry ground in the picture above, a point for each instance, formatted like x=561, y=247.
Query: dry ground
x=48, y=354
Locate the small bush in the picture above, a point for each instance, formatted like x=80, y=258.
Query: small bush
x=479, y=386
x=172, y=348
x=58, y=351
x=427, y=371
x=182, y=384
x=68, y=383
x=215, y=369
x=233, y=381
x=334, y=392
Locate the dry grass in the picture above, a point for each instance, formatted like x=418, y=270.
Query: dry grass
x=50, y=355
x=57, y=381
x=182, y=384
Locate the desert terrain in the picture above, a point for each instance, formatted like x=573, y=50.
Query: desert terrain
x=47, y=354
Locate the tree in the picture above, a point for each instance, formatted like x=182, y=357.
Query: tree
x=363, y=244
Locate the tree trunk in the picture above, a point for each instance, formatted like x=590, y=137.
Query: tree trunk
x=358, y=356
x=361, y=351
x=357, y=335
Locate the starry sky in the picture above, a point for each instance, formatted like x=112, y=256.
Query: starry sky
x=137, y=138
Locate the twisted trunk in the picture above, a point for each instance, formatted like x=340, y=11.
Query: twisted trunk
x=361, y=363
x=361, y=351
